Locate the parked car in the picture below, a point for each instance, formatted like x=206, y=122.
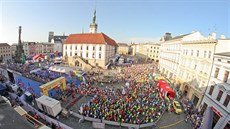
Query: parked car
x=177, y=107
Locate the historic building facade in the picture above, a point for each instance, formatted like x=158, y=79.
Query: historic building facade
x=95, y=49
x=58, y=41
x=29, y=48
x=87, y=50
x=217, y=94
x=44, y=48
x=123, y=48
x=5, y=52
x=146, y=50
x=195, y=67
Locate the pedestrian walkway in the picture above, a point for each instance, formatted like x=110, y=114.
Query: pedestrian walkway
x=171, y=120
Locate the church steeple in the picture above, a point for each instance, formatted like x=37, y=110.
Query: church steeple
x=93, y=25
x=94, y=16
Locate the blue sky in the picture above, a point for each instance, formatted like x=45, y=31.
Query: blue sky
x=122, y=20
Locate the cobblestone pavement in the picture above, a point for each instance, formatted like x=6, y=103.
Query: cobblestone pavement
x=173, y=121
x=167, y=121
x=73, y=122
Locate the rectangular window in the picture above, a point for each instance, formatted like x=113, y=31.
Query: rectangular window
x=81, y=47
x=186, y=52
x=70, y=53
x=226, y=101
x=99, y=48
x=226, y=76
x=219, y=95
x=216, y=118
x=93, y=55
x=87, y=55
x=70, y=47
x=100, y=56
x=216, y=72
x=211, y=90
x=93, y=48
x=205, y=52
x=191, y=52
x=65, y=47
x=209, y=54
x=87, y=47
x=197, y=54
x=204, y=107
x=219, y=60
x=75, y=47
x=75, y=54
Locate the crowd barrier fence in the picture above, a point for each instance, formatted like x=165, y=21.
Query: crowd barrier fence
x=136, y=126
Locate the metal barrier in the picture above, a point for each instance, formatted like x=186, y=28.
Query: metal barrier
x=136, y=126
x=92, y=119
x=130, y=125
x=111, y=122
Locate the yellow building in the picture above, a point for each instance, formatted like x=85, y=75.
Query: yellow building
x=152, y=51
x=147, y=50
x=195, y=67
x=123, y=48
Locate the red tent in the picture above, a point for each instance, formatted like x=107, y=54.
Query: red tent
x=38, y=56
x=165, y=89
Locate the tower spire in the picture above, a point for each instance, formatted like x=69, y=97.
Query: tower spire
x=93, y=25
x=19, y=55
x=19, y=34
x=94, y=16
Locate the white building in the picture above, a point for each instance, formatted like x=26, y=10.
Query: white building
x=217, y=94
x=29, y=48
x=58, y=41
x=170, y=53
x=195, y=67
x=89, y=50
x=13, y=48
x=95, y=49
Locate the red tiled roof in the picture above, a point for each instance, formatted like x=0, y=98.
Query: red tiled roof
x=4, y=45
x=90, y=38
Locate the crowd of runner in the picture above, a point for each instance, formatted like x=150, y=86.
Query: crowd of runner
x=192, y=115
x=137, y=102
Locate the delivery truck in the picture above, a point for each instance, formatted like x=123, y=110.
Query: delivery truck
x=49, y=105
